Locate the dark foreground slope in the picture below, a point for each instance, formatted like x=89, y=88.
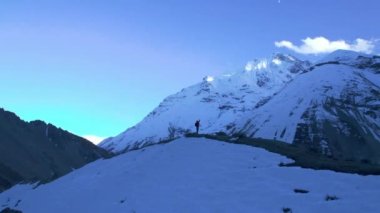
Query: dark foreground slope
x=303, y=155
x=36, y=151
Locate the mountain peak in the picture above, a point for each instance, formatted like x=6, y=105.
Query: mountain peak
x=277, y=60
x=343, y=55
x=353, y=59
x=284, y=57
x=217, y=100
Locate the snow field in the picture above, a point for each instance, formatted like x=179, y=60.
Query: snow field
x=197, y=175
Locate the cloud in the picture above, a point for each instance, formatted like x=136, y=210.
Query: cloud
x=319, y=45
x=94, y=139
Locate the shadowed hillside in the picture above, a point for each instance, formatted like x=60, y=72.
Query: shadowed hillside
x=36, y=151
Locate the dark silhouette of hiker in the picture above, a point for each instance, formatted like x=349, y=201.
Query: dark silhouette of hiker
x=197, y=125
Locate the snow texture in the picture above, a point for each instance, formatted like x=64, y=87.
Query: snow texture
x=217, y=102
x=197, y=175
x=311, y=90
x=270, y=99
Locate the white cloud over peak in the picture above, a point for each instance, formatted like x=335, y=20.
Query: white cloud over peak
x=93, y=138
x=319, y=45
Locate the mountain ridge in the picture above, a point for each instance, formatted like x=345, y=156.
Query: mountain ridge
x=35, y=151
x=219, y=99
x=289, y=100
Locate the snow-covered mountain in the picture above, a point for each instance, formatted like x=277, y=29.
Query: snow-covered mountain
x=332, y=105
x=197, y=175
x=334, y=108
x=217, y=101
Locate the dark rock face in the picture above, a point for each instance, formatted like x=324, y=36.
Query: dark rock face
x=37, y=151
x=9, y=210
x=350, y=135
x=368, y=62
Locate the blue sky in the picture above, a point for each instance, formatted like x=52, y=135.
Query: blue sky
x=98, y=67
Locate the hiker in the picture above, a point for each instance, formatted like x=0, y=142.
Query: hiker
x=197, y=125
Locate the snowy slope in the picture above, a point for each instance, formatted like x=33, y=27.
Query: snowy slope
x=197, y=175
x=332, y=105
x=217, y=101
x=335, y=106
x=314, y=89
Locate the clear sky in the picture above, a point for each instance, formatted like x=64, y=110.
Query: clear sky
x=98, y=67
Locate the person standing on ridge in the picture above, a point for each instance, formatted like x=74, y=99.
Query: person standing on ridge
x=197, y=125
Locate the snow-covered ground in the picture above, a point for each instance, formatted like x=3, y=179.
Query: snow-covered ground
x=197, y=175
